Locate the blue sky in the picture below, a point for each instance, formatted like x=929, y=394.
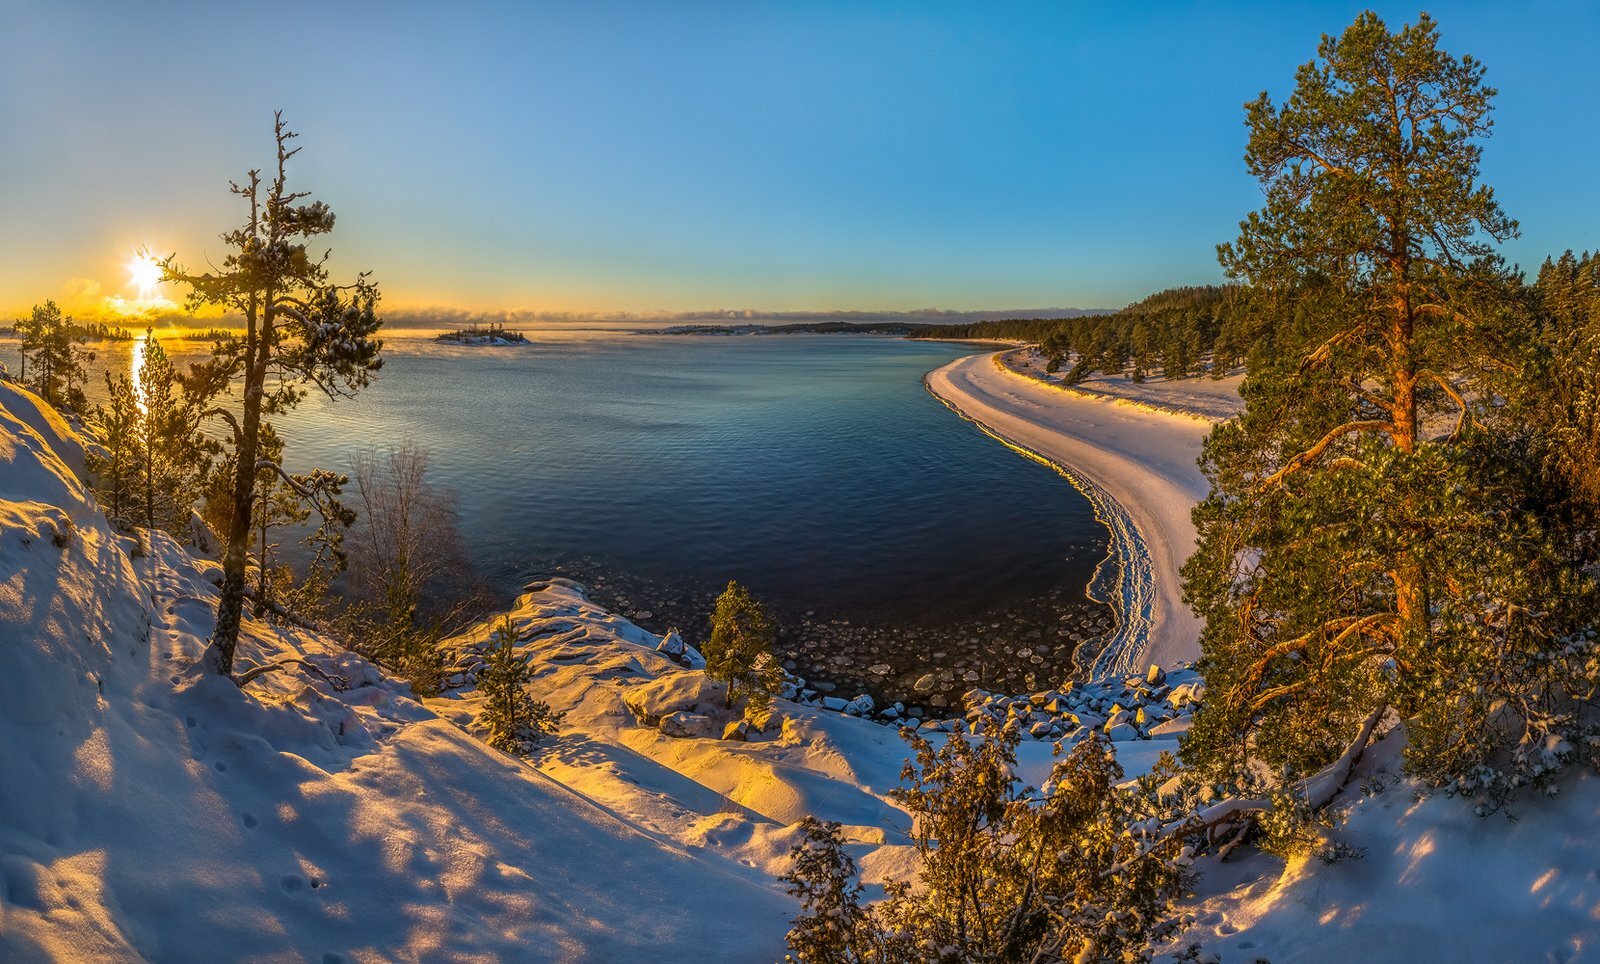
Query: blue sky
x=599, y=157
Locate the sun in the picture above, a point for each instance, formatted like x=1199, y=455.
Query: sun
x=145, y=272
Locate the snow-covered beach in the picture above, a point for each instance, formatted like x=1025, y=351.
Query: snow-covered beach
x=1136, y=461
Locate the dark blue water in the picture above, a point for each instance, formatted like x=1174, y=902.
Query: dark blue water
x=815, y=469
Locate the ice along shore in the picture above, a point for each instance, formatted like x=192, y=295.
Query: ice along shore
x=1136, y=461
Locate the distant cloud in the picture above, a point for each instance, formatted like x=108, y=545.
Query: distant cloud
x=79, y=292
x=85, y=299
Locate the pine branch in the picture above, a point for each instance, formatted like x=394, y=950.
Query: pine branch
x=1333, y=435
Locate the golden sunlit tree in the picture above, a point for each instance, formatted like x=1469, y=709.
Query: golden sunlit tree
x=739, y=652
x=52, y=342
x=1373, y=539
x=152, y=455
x=301, y=332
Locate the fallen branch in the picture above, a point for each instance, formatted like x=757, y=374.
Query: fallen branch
x=1318, y=790
x=244, y=679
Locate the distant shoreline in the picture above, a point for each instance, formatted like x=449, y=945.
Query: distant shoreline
x=901, y=328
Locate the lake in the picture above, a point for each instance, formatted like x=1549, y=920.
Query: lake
x=890, y=536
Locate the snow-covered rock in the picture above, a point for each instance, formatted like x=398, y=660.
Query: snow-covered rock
x=1122, y=732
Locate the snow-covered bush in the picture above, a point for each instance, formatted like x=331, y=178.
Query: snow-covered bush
x=1072, y=871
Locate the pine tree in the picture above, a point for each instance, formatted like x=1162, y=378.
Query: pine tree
x=739, y=652
x=300, y=329
x=833, y=927
x=1006, y=873
x=49, y=338
x=173, y=456
x=1373, y=535
x=511, y=719
x=1559, y=388
x=153, y=454
x=116, y=466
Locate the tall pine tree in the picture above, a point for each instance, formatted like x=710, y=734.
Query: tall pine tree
x=300, y=330
x=1369, y=540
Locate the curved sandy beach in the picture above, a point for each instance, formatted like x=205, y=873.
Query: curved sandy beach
x=1135, y=463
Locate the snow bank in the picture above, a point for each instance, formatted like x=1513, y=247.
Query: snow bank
x=1138, y=467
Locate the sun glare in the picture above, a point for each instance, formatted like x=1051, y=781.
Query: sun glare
x=145, y=272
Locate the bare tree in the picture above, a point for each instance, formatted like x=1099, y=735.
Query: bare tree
x=410, y=577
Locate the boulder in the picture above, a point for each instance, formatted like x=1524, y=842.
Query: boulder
x=1176, y=727
x=1122, y=732
x=1186, y=693
x=683, y=724
x=736, y=730
x=674, y=648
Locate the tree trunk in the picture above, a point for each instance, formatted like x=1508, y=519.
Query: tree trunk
x=261, y=561
x=230, y=603
x=1408, y=575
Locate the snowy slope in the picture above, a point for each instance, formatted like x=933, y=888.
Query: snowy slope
x=148, y=810
x=1434, y=883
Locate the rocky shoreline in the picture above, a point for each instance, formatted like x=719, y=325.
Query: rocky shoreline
x=923, y=666
x=1155, y=704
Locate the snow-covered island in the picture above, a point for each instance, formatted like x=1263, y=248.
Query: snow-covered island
x=493, y=334
x=151, y=809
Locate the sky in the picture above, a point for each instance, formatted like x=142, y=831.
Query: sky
x=603, y=157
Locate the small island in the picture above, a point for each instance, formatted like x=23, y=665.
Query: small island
x=491, y=334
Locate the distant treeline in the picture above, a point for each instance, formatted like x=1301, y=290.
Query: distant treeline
x=910, y=328
x=81, y=330
x=1178, y=332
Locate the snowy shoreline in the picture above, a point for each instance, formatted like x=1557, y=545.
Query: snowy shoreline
x=1133, y=459
x=1121, y=580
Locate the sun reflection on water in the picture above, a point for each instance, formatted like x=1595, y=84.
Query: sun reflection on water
x=136, y=368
